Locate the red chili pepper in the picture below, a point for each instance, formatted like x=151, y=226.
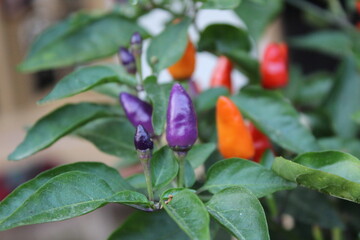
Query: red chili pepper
x=357, y=6
x=221, y=76
x=261, y=142
x=274, y=67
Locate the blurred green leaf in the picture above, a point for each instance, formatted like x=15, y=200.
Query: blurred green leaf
x=79, y=38
x=221, y=4
x=189, y=178
x=223, y=38
x=113, y=90
x=188, y=211
x=87, y=78
x=240, y=172
x=245, y=220
x=164, y=167
x=59, y=123
x=331, y=42
x=246, y=64
x=159, y=103
x=340, y=144
x=169, y=46
x=114, y=136
x=309, y=207
x=274, y=116
x=344, y=100
x=257, y=15
x=199, y=153
x=66, y=192
x=149, y=226
x=331, y=172
x=208, y=98
x=267, y=159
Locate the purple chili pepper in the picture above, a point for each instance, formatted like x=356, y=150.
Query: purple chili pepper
x=137, y=111
x=127, y=60
x=181, y=130
x=142, y=140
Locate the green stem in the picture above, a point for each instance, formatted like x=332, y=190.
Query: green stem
x=146, y=165
x=272, y=206
x=181, y=158
x=336, y=234
x=317, y=233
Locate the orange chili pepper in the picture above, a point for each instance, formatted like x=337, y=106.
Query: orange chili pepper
x=234, y=138
x=221, y=76
x=185, y=67
x=261, y=142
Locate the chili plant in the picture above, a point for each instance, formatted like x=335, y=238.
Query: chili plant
x=280, y=135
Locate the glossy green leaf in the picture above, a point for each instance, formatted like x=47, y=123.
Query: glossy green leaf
x=59, y=123
x=310, y=207
x=223, y=38
x=221, y=4
x=169, y=46
x=273, y=115
x=257, y=15
x=331, y=172
x=344, y=100
x=65, y=192
x=199, y=153
x=159, y=102
x=187, y=210
x=164, y=167
x=208, y=98
x=79, y=38
x=114, y=136
x=327, y=41
x=87, y=78
x=341, y=144
x=239, y=211
x=240, y=172
x=149, y=226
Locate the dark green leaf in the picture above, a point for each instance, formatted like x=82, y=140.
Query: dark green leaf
x=87, y=78
x=334, y=173
x=344, y=100
x=164, y=167
x=309, y=207
x=239, y=211
x=113, y=90
x=207, y=99
x=159, y=103
x=221, y=4
x=187, y=210
x=79, y=38
x=341, y=144
x=113, y=136
x=356, y=117
x=199, y=153
x=239, y=172
x=169, y=46
x=325, y=42
x=257, y=15
x=223, y=38
x=149, y=226
x=138, y=181
x=59, y=123
x=65, y=192
x=274, y=116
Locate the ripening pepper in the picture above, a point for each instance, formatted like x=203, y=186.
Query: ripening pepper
x=274, y=66
x=184, y=68
x=137, y=111
x=221, y=76
x=261, y=142
x=142, y=139
x=181, y=128
x=234, y=138
x=127, y=60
